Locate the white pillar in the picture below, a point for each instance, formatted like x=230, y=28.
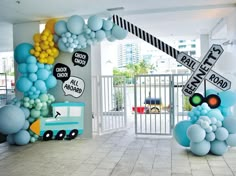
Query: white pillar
x=204, y=44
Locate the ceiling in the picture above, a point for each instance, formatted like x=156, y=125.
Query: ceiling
x=169, y=18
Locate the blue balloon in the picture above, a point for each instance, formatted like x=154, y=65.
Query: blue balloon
x=40, y=85
x=210, y=136
x=228, y=98
x=225, y=111
x=31, y=60
x=81, y=38
x=215, y=113
x=231, y=140
x=40, y=65
x=26, y=125
x=100, y=35
x=51, y=82
x=60, y=27
x=32, y=68
x=195, y=133
x=22, y=137
x=62, y=47
x=118, y=32
x=180, y=134
x=107, y=25
x=32, y=77
x=95, y=22
x=55, y=38
x=22, y=52
x=75, y=24
x=230, y=124
x=221, y=134
x=10, y=139
x=200, y=148
x=42, y=74
x=12, y=119
x=23, y=84
x=211, y=91
x=22, y=68
x=26, y=112
x=111, y=39
x=218, y=147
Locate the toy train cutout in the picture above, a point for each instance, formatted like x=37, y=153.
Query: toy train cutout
x=67, y=122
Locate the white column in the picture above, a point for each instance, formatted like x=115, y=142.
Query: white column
x=204, y=44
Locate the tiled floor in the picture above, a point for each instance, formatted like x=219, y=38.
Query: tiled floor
x=117, y=154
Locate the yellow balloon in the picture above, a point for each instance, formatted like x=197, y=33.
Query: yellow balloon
x=50, y=60
x=36, y=53
x=32, y=51
x=50, y=25
x=37, y=48
x=36, y=37
x=55, y=52
x=51, y=44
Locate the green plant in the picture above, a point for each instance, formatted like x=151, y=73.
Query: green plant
x=187, y=106
x=118, y=100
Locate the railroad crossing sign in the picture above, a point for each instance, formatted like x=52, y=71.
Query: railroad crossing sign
x=201, y=70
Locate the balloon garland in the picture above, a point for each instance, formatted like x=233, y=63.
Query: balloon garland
x=35, y=65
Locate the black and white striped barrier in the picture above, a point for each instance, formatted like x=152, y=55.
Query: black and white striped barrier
x=199, y=73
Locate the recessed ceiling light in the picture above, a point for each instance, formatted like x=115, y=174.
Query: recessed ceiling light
x=115, y=8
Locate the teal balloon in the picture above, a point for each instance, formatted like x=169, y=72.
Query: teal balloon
x=60, y=27
x=43, y=97
x=221, y=134
x=119, y=33
x=231, y=140
x=33, y=139
x=75, y=24
x=230, y=124
x=31, y=60
x=22, y=68
x=180, y=134
x=51, y=82
x=23, y=84
x=228, y=98
x=195, y=133
x=62, y=47
x=211, y=91
x=41, y=86
x=26, y=125
x=32, y=68
x=35, y=113
x=81, y=39
x=215, y=113
x=32, y=77
x=218, y=147
x=55, y=38
x=42, y=74
x=100, y=35
x=22, y=137
x=26, y=111
x=95, y=22
x=107, y=25
x=200, y=148
x=22, y=52
x=225, y=111
x=210, y=136
x=12, y=119
x=10, y=139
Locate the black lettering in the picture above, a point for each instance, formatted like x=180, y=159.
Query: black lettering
x=216, y=50
x=220, y=83
x=196, y=82
x=201, y=74
x=225, y=84
x=183, y=58
x=216, y=79
x=212, y=77
x=204, y=68
x=188, y=91
x=187, y=62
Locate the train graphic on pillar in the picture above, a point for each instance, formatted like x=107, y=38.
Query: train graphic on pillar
x=67, y=122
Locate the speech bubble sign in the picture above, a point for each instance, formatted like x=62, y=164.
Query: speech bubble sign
x=74, y=86
x=61, y=72
x=80, y=58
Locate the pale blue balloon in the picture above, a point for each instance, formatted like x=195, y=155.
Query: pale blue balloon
x=231, y=140
x=26, y=125
x=180, y=132
x=209, y=129
x=32, y=68
x=92, y=34
x=200, y=148
x=211, y=91
x=70, y=40
x=68, y=34
x=210, y=136
x=81, y=38
x=75, y=24
x=64, y=39
x=107, y=25
x=230, y=124
x=95, y=22
x=228, y=98
x=74, y=36
x=221, y=134
x=218, y=147
x=119, y=33
x=62, y=47
x=31, y=60
x=195, y=133
x=40, y=65
x=23, y=84
x=204, y=124
x=100, y=35
x=42, y=74
x=60, y=27
x=22, y=68
x=215, y=113
x=32, y=77
x=218, y=123
x=33, y=89
x=51, y=82
x=22, y=137
x=111, y=39
x=40, y=85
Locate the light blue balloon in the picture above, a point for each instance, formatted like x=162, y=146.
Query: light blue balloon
x=62, y=47
x=64, y=39
x=26, y=112
x=215, y=113
x=108, y=34
x=204, y=124
x=195, y=133
x=228, y=98
x=218, y=147
x=92, y=34
x=211, y=91
x=55, y=38
x=210, y=136
x=10, y=139
x=107, y=25
x=225, y=111
x=68, y=34
x=118, y=32
x=209, y=129
x=75, y=24
x=95, y=22
x=213, y=120
x=180, y=134
x=230, y=124
x=81, y=38
x=218, y=124
x=214, y=127
x=231, y=140
x=33, y=139
x=221, y=134
x=74, y=36
x=22, y=68
x=70, y=40
x=22, y=137
x=40, y=65
x=26, y=125
x=60, y=27
x=200, y=148
x=33, y=89
x=100, y=35
x=32, y=68
x=42, y=74
x=32, y=77
x=51, y=82
x=48, y=67
x=40, y=85
x=12, y=119
x=111, y=39
x=23, y=84
x=31, y=60
x=22, y=52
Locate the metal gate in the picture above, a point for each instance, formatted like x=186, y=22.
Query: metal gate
x=159, y=103
x=108, y=103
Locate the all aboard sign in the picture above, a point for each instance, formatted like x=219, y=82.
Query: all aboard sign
x=201, y=70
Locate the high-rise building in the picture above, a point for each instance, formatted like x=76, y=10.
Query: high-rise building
x=128, y=53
